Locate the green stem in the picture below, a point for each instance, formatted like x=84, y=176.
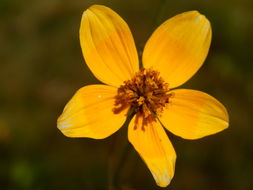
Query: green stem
x=114, y=173
x=121, y=164
x=160, y=12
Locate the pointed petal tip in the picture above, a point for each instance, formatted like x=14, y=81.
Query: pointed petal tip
x=195, y=13
x=97, y=7
x=165, y=180
x=226, y=125
x=63, y=126
x=199, y=17
x=94, y=6
x=163, y=183
x=92, y=9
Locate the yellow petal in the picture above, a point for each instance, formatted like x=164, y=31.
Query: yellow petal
x=192, y=114
x=107, y=45
x=178, y=47
x=90, y=113
x=155, y=148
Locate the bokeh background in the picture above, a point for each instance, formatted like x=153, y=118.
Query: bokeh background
x=42, y=66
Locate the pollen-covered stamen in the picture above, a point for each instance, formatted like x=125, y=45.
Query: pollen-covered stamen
x=146, y=92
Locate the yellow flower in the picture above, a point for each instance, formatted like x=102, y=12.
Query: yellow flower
x=172, y=55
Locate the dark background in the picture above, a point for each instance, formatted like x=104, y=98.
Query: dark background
x=42, y=66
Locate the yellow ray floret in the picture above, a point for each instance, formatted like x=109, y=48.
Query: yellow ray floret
x=178, y=47
x=193, y=114
x=108, y=46
x=155, y=148
x=89, y=113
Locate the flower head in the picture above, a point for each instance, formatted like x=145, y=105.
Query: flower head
x=172, y=55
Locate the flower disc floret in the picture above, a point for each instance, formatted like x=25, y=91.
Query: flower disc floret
x=146, y=92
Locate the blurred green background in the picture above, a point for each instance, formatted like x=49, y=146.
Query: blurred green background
x=42, y=66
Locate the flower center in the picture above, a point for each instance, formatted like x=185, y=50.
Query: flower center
x=146, y=92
